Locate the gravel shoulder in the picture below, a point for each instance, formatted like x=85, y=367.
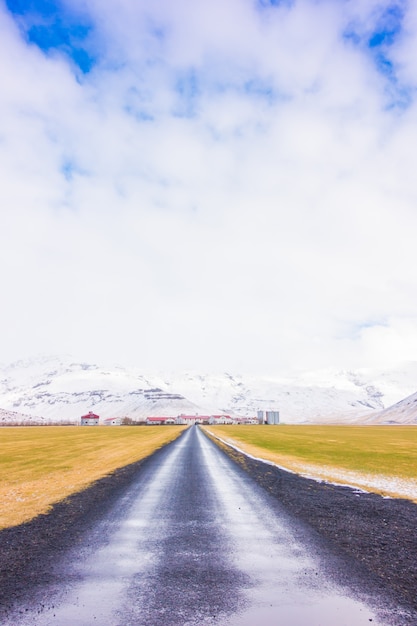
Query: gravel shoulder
x=376, y=535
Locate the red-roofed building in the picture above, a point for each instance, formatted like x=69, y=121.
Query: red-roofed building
x=91, y=419
x=193, y=419
x=220, y=419
x=156, y=421
x=112, y=421
x=189, y=420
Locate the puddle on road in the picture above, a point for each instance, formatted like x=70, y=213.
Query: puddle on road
x=327, y=612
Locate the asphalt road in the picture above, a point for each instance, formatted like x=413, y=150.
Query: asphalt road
x=195, y=541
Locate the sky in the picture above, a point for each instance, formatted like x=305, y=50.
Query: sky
x=209, y=185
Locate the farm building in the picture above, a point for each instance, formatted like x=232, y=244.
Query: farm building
x=156, y=421
x=91, y=419
x=112, y=421
x=268, y=417
x=193, y=419
x=190, y=420
x=244, y=420
x=220, y=419
x=272, y=417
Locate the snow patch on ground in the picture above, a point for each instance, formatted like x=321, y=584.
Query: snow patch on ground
x=389, y=486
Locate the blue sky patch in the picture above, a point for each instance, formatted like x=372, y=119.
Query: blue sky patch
x=384, y=65
x=140, y=115
x=188, y=89
x=24, y=7
x=265, y=4
x=377, y=42
x=260, y=89
x=51, y=26
x=354, y=330
x=387, y=28
x=67, y=169
x=70, y=169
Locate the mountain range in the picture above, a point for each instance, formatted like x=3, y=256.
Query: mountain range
x=61, y=389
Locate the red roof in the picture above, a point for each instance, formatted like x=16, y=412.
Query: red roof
x=90, y=415
x=153, y=418
x=194, y=417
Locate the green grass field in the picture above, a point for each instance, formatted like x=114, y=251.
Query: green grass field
x=375, y=451
x=42, y=465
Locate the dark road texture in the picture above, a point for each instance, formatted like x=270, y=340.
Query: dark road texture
x=185, y=538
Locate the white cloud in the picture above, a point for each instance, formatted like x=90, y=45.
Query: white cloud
x=228, y=188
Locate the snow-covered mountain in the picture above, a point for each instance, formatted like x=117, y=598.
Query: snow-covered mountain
x=60, y=389
x=403, y=412
x=57, y=389
x=318, y=396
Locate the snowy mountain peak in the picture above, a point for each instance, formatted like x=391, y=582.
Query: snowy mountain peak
x=403, y=412
x=62, y=388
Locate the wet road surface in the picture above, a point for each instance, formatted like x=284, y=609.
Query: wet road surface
x=195, y=541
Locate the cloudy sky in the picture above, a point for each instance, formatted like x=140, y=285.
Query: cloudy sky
x=209, y=185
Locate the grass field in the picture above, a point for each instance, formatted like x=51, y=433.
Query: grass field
x=42, y=465
x=376, y=458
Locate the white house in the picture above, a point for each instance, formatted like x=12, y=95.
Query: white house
x=112, y=421
x=220, y=419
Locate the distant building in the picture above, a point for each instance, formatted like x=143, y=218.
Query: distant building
x=268, y=417
x=192, y=419
x=91, y=419
x=157, y=421
x=272, y=417
x=245, y=420
x=112, y=421
x=220, y=419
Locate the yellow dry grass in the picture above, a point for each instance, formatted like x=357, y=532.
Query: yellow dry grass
x=40, y=466
x=382, y=459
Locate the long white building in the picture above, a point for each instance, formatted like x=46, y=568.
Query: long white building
x=200, y=419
